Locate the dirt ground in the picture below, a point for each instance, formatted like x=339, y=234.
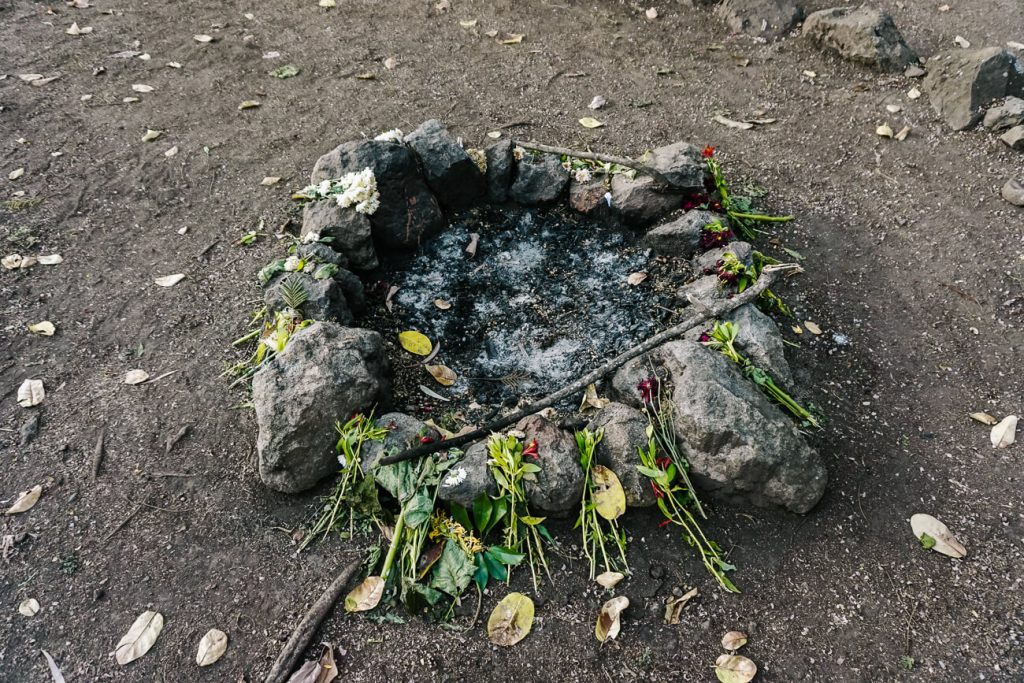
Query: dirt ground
x=910, y=253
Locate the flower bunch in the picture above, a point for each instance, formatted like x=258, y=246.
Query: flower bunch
x=444, y=527
x=737, y=208
x=731, y=270
x=352, y=189
x=715, y=234
x=393, y=135
x=294, y=264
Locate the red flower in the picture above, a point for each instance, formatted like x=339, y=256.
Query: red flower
x=657, y=491
x=665, y=523
x=708, y=152
x=426, y=439
x=531, y=450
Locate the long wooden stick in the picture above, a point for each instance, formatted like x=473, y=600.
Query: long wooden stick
x=304, y=632
x=709, y=312
x=595, y=156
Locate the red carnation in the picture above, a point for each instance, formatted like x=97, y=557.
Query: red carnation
x=708, y=152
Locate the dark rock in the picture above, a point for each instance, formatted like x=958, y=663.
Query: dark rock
x=961, y=84
x=539, y=179
x=1005, y=116
x=321, y=253
x=352, y=287
x=451, y=175
x=862, y=35
x=1014, y=138
x=1013, y=192
x=589, y=198
x=708, y=260
x=463, y=490
x=559, y=485
x=408, y=212
x=625, y=429
x=680, y=237
x=638, y=204
x=500, y=165
x=29, y=430
x=325, y=373
x=325, y=298
x=681, y=164
x=350, y=231
x=739, y=444
x=764, y=18
x=403, y=432
x=758, y=338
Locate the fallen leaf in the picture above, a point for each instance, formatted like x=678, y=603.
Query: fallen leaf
x=415, y=342
x=609, y=498
x=328, y=3
x=388, y=303
x=31, y=393
x=884, y=131
x=202, y=38
x=16, y=173
x=442, y=304
x=1004, y=433
x=591, y=399
x=145, y=57
x=511, y=38
x=494, y=134
x=590, y=122
x=735, y=669
x=913, y=93
x=469, y=23
x=936, y=535
x=962, y=42
x=142, y=87
x=135, y=376
x=390, y=63
x=893, y=108
x=904, y=132
x=943, y=8
x=320, y=670
x=140, y=637
x=12, y=261
x=43, y=329
x=651, y=14
x=984, y=418
x=739, y=125
x=270, y=181
x=29, y=608
x=812, y=327
x=609, y=580
x=491, y=34
x=365, y=76
x=636, y=278
x=1015, y=45
x=174, y=65
x=171, y=152
x=130, y=100
x=433, y=394
x=211, y=647
x=25, y=500
x=40, y=82
x=674, y=607
x=50, y=260
x=608, y=620
x=366, y=595
x=444, y=375
x=76, y=30
x=809, y=73
x=28, y=78
x=286, y=71
x=734, y=640
x=169, y=280
x=56, y=676
x=151, y=135
x=597, y=103
x=511, y=620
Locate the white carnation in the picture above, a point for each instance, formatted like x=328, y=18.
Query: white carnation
x=393, y=135
x=455, y=477
x=291, y=263
x=311, y=237
x=582, y=175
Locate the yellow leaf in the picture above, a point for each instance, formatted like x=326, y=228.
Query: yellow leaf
x=366, y=595
x=735, y=669
x=591, y=399
x=812, y=327
x=249, y=104
x=608, y=625
x=590, y=122
x=609, y=579
x=984, y=418
x=511, y=38
x=444, y=375
x=511, y=620
x=609, y=498
x=415, y=342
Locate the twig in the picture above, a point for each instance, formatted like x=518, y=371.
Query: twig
x=479, y=604
x=125, y=521
x=716, y=310
x=303, y=633
x=97, y=453
x=595, y=156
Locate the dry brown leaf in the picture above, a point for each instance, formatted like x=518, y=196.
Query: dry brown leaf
x=591, y=399
x=136, y=377
x=31, y=393
x=609, y=580
x=169, y=280
x=40, y=82
x=984, y=418
x=270, y=180
x=444, y=375
x=904, y=132
x=735, y=669
x=150, y=135
x=171, y=152
x=442, y=304
x=140, y=637
x=674, y=607
x=935, y=535
x=739, y=125
x=511, y=620
x=28, y=78
x=321, y=670
x=590, y=122
x=734, y=640
x=366, y=595
x=389, y=299
x=608, y=620
x=812, y=327
x=29, y=608
x=636, y=278
x=1004, y=433
x=212, y=647
x=76, y=30
x=25, y=501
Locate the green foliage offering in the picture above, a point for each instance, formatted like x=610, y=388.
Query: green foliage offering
x=293, y=292
x=274, y=336
x=737, y=208
x=596, y=529
x=491, y=562
x=733, y=271
x=723, y=340
x=325, y=271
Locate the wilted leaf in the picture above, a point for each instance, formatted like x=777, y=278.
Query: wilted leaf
x=984, y=418
x=1004, y=433
x=140, y=637
x=608, y=622
x=211, y=647
x=76, y=30
x=366, y=595
x=884, y=131
x=142, y=87
x=16, y=173
x=136, y=376
x=636, y=278
x=286, y=71
x=590, y=122
x=591, y=399
x=56, y=676
x=433, y=394
x=511, y=38
x=734, y=640
x=904, y=132
x=470, y=23
x=12, y=261
x=415, y=342
x=735, y=669
x=40, y=82
x=31, y=393
x=674, y=607
x=321, y=670
x=202, y=38
x=609, y=498
x=945, y=541
x=50, y=259
x=25, y=500
x=812, y=327
x=739, y=125
x=388, y=303
x=151, y=135
x=442, y=304
x=609, y=580
x=511, y=620
x=494, y=134
x=270, y=180
x=169, y=280
x=248, y=104
x=444, y=375
x=44, y=328
x=29, y=608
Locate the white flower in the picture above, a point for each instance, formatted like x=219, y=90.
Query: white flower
x=360, y=191
x=393, y=135
x=479, y=158
x=311, y=237
x=291, y=263
x=608, y=198
x=324, y=188
x=582, y=175
x=309, y=267
x=518, y=153
x=455, y=477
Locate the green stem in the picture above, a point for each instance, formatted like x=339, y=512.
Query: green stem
x=396, y=541
x=760, y=218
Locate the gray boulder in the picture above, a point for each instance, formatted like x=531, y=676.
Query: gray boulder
x=758, y=338
x=1014, y=138
x=539, y=179
x=478, y=480
x=680, y=237
x=500, y=165
x=738, y=444
x=625, y=429
x=638, y=203
x=321, y=253
x=707, y=261
x=348, y=229
x=559, y=486
x=681, y=164
x=404, y=432
x=763, y=18
x=705, y=289
x=862, y=35
x=451, y=175
x=1007, y=115
x=408, y=212
x=961, y=84
x=589, y=198
x=325, y=299
x=1013, y=192
x=326, y=373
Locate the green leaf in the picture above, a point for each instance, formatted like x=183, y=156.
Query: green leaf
x=398, y=479
x=418, y=510
x=482, y=509
x=453, y=571
x=482, y=575
x=648, y=472
x=500, y=509
x=505, y=555
x=531, y=521
x=927, y=542
x=495, y=568
x=418, y=598
x=270, y=270
x=286, y=71
x=461, y=515
x=325, y=271
x=530, y=468
x=545, y=534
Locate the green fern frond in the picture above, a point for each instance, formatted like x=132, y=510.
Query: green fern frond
x=293, y=292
